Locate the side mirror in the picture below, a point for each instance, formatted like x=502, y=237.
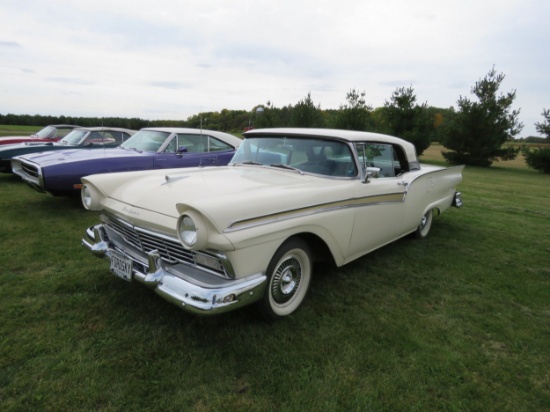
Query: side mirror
x=182, y=149
x=371, y=172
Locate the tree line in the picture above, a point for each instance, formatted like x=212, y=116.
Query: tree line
x=476, y=133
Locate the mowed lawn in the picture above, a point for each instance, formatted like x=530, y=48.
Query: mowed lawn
x=459, y=321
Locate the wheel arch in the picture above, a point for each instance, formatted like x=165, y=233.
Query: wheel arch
x=320, y=251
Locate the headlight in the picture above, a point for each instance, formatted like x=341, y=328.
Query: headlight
x=90, y=197
x=188, y=231
x=192, y=230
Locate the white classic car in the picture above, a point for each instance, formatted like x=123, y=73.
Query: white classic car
x=215, y=239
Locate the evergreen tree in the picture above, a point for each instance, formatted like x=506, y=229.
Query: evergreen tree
x=408, y=120
x=355, y=114
x=478, y=131
x=306, y=114
x=544, y=127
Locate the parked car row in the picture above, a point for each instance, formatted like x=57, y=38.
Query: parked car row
x=252, y=229
x=151, y=148
x=77, y=138
x=51, y=133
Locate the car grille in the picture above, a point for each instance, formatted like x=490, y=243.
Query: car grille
x=30, y=170
x=170, y=250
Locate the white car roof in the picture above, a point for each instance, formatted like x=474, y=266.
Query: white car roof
x=349, y=135
x=225, y=137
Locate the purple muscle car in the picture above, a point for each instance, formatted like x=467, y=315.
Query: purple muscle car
x=59, y=173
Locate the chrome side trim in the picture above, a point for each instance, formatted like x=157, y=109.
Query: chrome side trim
x=398, y=197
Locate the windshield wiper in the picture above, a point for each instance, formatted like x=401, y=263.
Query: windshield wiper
x=247, y=162
x=283, y=166
x=130, y=148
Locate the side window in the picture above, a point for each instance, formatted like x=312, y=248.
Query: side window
x=381, y=156
x=390, y=159
x=109, y=138
x=173, y=145
x=116, y=138
x=197, y=144
x=193, y=143
x=215, y=145
x=95, y=138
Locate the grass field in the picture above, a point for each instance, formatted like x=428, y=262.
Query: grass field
x=457, y=322
x=9, y=130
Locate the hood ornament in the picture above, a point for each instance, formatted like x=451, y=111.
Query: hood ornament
x=172, y=179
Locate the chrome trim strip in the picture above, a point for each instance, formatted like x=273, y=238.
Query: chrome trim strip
x=398, y=197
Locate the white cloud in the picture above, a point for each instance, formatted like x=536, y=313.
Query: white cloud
x=172, y=59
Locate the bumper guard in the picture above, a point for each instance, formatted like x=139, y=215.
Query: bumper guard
x=193, y=297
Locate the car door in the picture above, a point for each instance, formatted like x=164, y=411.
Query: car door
x=186, y=150
x=380, y=209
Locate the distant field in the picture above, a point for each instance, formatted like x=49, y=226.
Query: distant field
x=9, y=130
x=457, y=322
x=433, y=154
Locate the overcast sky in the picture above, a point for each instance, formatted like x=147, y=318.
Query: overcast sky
x=170, y=59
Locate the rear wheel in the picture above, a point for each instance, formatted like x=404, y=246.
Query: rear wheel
x=425, y=225
x=289, y=276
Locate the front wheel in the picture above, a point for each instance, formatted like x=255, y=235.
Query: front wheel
x=425, y=225
x=289, y=276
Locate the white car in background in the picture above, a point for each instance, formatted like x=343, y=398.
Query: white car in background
x=215, y=239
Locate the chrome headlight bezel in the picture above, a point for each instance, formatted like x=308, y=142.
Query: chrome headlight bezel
x=192, y=230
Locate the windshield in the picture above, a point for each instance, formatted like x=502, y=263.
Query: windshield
x=319, y=156
x=48, y=131
x=146, y=140
x=74, y=138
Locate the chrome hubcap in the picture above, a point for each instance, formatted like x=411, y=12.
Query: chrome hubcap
x=423, y=221
x=286, y=280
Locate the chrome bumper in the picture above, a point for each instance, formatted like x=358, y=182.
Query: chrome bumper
x=36, y=182
x=457, y=200
x=193, y=297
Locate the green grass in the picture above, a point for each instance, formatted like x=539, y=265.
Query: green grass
x=10, y=130
x=457, y=322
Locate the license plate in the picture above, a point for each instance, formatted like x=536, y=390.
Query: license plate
x=121, y=265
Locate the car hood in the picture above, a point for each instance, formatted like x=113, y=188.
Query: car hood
x=78, y=155
x=223, y=194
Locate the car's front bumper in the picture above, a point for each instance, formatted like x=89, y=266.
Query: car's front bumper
x=30, y=173
x=192, y=295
